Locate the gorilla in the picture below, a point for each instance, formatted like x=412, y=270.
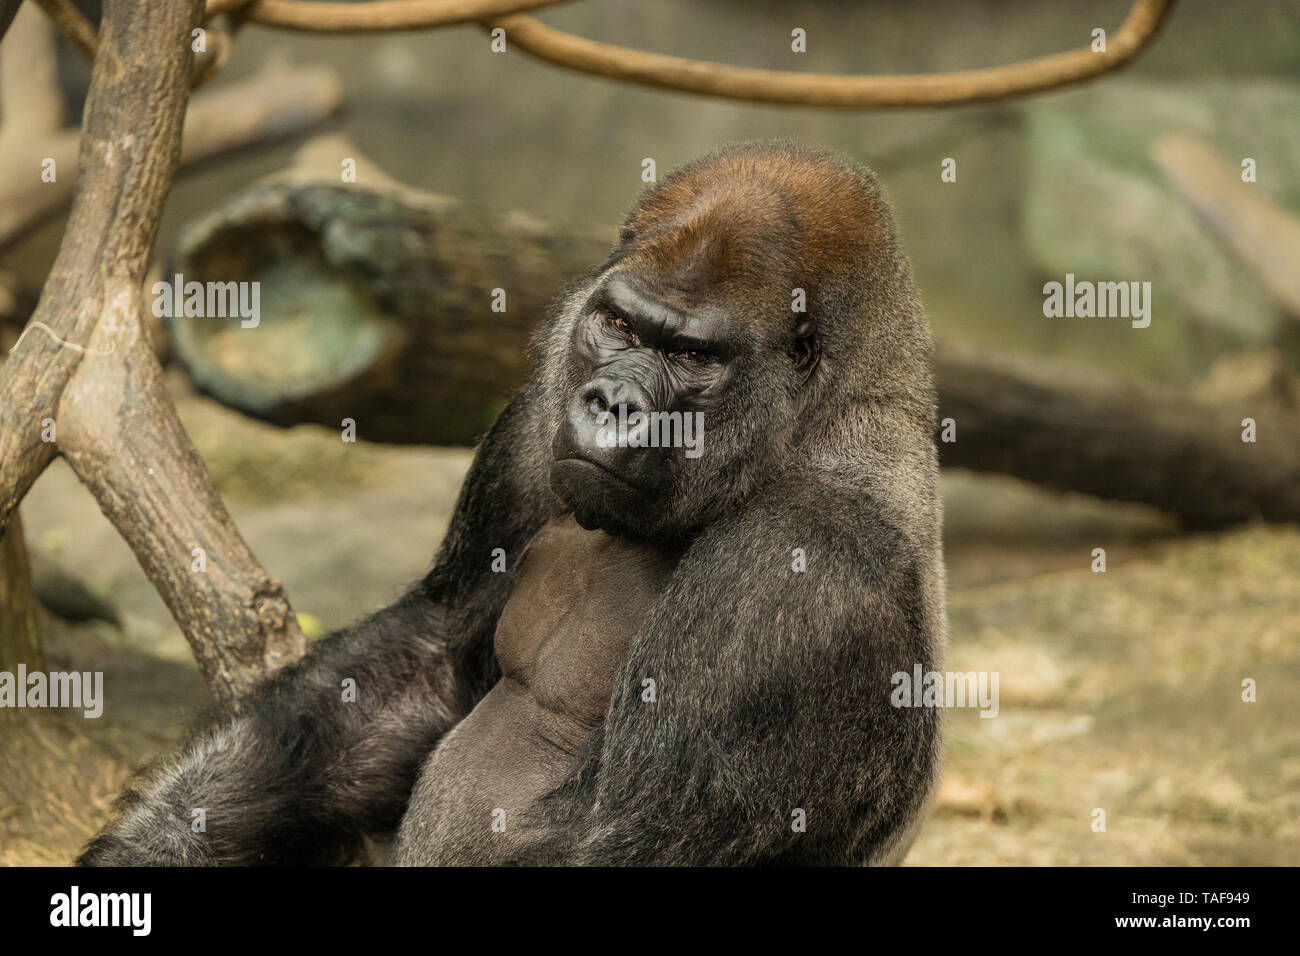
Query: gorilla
x=683, y=657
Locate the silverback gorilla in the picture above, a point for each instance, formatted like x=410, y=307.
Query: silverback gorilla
x=686, y=659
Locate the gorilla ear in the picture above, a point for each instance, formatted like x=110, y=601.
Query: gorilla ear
x=806, y=351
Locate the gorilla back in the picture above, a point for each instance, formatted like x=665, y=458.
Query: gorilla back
x=717, y=500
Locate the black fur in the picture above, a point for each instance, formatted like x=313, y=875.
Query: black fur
x=774, y=685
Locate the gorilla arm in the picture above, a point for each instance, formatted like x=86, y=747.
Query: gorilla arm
x=772, y=696
x=300, y=775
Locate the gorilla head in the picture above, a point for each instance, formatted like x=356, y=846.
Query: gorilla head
x=739, y=292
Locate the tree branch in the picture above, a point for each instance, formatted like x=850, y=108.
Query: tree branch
x=121, y=435
x=699, y=76
x=72, y=24
x=320, y=17
x=842, y=92
x=115, y=425
x=274, y=103
x=1264, y=237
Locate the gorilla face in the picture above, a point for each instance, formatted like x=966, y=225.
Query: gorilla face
x=678, y=402
x=715, y=308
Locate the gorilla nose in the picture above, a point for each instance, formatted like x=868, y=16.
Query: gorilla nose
x=605, y=395
x=593, y=421
x=600, y=451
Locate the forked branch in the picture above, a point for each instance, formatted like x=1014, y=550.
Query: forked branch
x=85, y=375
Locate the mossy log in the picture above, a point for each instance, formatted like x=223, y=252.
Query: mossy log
x=374, y=305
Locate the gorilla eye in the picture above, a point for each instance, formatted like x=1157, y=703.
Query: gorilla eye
x=694, y=356
x=618, y=322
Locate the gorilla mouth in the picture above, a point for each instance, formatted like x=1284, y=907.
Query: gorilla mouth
x=605, y=469
x=601, y=499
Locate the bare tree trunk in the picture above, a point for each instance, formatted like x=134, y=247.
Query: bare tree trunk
x=86, y=369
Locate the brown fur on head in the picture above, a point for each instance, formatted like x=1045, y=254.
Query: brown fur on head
x=756, y=220
x=761, y=219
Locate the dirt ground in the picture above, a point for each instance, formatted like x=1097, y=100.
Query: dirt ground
x=1118, y=691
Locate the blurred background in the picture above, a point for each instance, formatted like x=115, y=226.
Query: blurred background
x=1119, y=691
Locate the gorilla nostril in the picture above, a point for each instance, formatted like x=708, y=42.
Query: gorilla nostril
x=596, y=397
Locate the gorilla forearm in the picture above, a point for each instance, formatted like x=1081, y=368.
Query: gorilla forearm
x=771, y=739
x=302, y=773
x=712, y=809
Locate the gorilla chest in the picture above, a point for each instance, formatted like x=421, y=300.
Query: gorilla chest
x=578, y=602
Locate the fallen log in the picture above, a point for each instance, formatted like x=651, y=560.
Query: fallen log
x=376, y=306
x=1120, y=440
